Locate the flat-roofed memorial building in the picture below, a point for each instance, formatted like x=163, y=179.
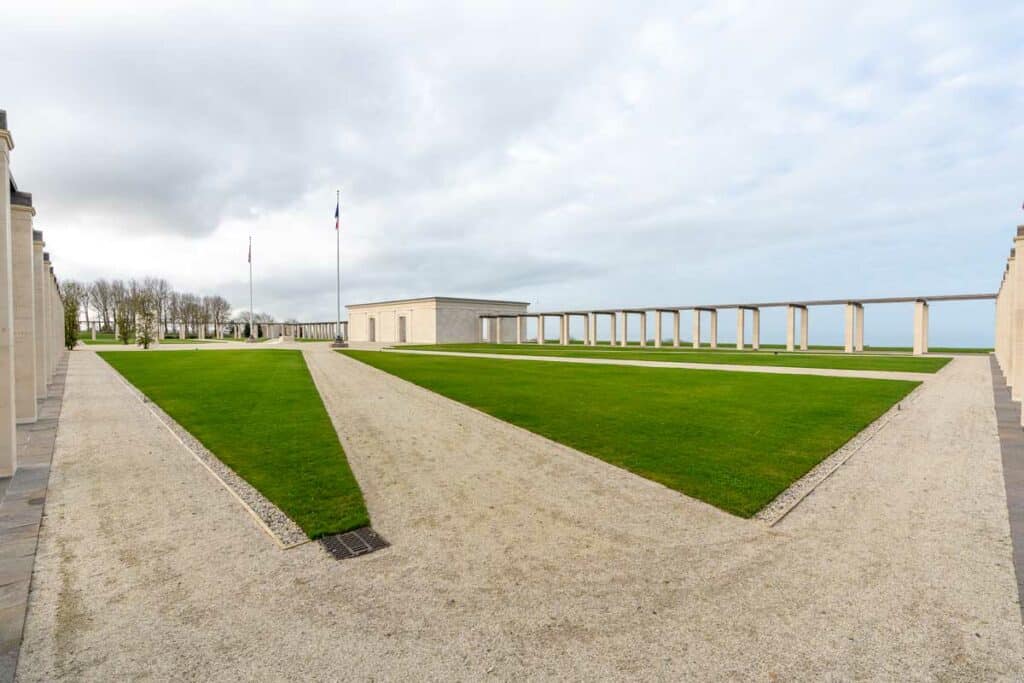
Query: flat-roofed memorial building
x=430, y=320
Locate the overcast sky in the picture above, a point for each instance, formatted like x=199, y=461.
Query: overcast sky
x=570, y=155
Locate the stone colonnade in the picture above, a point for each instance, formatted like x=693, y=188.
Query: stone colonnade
x=1009, y=320
x=797, y=324
x=31, y=311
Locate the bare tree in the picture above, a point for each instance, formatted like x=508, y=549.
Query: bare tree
x=102, y=298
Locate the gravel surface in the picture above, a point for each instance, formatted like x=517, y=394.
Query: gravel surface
x=513, y=557
x=275, y=522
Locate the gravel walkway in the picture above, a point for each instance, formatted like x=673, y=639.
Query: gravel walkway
x=513, y=557
x=730, y=367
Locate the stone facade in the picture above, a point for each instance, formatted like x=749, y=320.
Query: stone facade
x=430, y=320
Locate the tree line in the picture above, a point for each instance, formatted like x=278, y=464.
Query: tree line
x=134, y=309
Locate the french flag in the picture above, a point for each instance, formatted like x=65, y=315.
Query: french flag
x=337, y=214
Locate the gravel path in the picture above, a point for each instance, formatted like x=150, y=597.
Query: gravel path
x=730, y=367
x=514, y=557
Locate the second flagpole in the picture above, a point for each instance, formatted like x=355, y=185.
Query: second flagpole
x=338, y=340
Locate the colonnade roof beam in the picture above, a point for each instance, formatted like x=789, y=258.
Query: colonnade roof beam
x=780, y=304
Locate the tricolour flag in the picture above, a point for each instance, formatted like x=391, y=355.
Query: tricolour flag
x=337, y=214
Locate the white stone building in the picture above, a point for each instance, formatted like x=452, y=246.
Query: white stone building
x=430, y=320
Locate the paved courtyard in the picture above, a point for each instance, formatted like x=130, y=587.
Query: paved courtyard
x=514, y=557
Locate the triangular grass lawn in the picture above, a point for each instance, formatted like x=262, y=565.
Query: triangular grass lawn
x=733, y=439
x=260, y=413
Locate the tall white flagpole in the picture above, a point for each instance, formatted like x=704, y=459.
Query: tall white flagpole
x=252, y=329
x=338, y=341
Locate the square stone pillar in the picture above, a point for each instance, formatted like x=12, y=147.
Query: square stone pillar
x=24, y=308
x=714, y=327
x=643, y=329
x=8, y=434
x=675, y=329
x=696, y=328
x=39, y=301
x=1017, y=325
x=804, y=337
x=657, y=329
x=92, y=329
x=519, y=329
x=625, y=328
x=790, y=327
x=564, y=328
x=858, y=328
x=540, y=329
x=592, y=328
x=586, y=329
x=755, y=342
x=920, y=327
x=741, y=333
x=48, y=314
x=614, y=327
x=851, y=313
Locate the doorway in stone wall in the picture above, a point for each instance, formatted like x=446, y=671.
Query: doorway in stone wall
x=373, y=330
x=401, y=329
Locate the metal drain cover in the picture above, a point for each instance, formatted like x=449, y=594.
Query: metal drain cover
x=353, y=543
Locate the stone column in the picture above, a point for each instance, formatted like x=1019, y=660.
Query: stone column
x=58, y=320
x=563, y=328
x=790, y=327
x=586, y=329
x=851, y=313
x=858, y=328
x=714, y=328
x=48, y=323
x=657, y=329
x=614, y=334
x=540, y=329
x=1016, y=347
x=755, y=342
x=592, y=329
x=8, y=434
x=675, y=329
x=740, y=328
x=625, y=328
x=92, y=330
x=24, y=307
x=643, y=328
x=920, y=327
x=696, y=328
x=804, y=338
x=39, y=301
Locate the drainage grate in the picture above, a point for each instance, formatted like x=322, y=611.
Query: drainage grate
x=353, y=543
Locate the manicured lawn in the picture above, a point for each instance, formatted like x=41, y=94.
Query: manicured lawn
x=735, y=440
x=261, y=414
x=837, y=361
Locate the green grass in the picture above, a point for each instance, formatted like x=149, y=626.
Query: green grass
x=837, y=361
x=733, y=439
x=261, y=414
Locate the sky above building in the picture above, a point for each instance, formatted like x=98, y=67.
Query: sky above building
x=572, y=155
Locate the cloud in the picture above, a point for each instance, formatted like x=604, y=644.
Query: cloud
x=576, y=154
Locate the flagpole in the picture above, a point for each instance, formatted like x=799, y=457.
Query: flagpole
x=338, y=341
x=251, y=329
